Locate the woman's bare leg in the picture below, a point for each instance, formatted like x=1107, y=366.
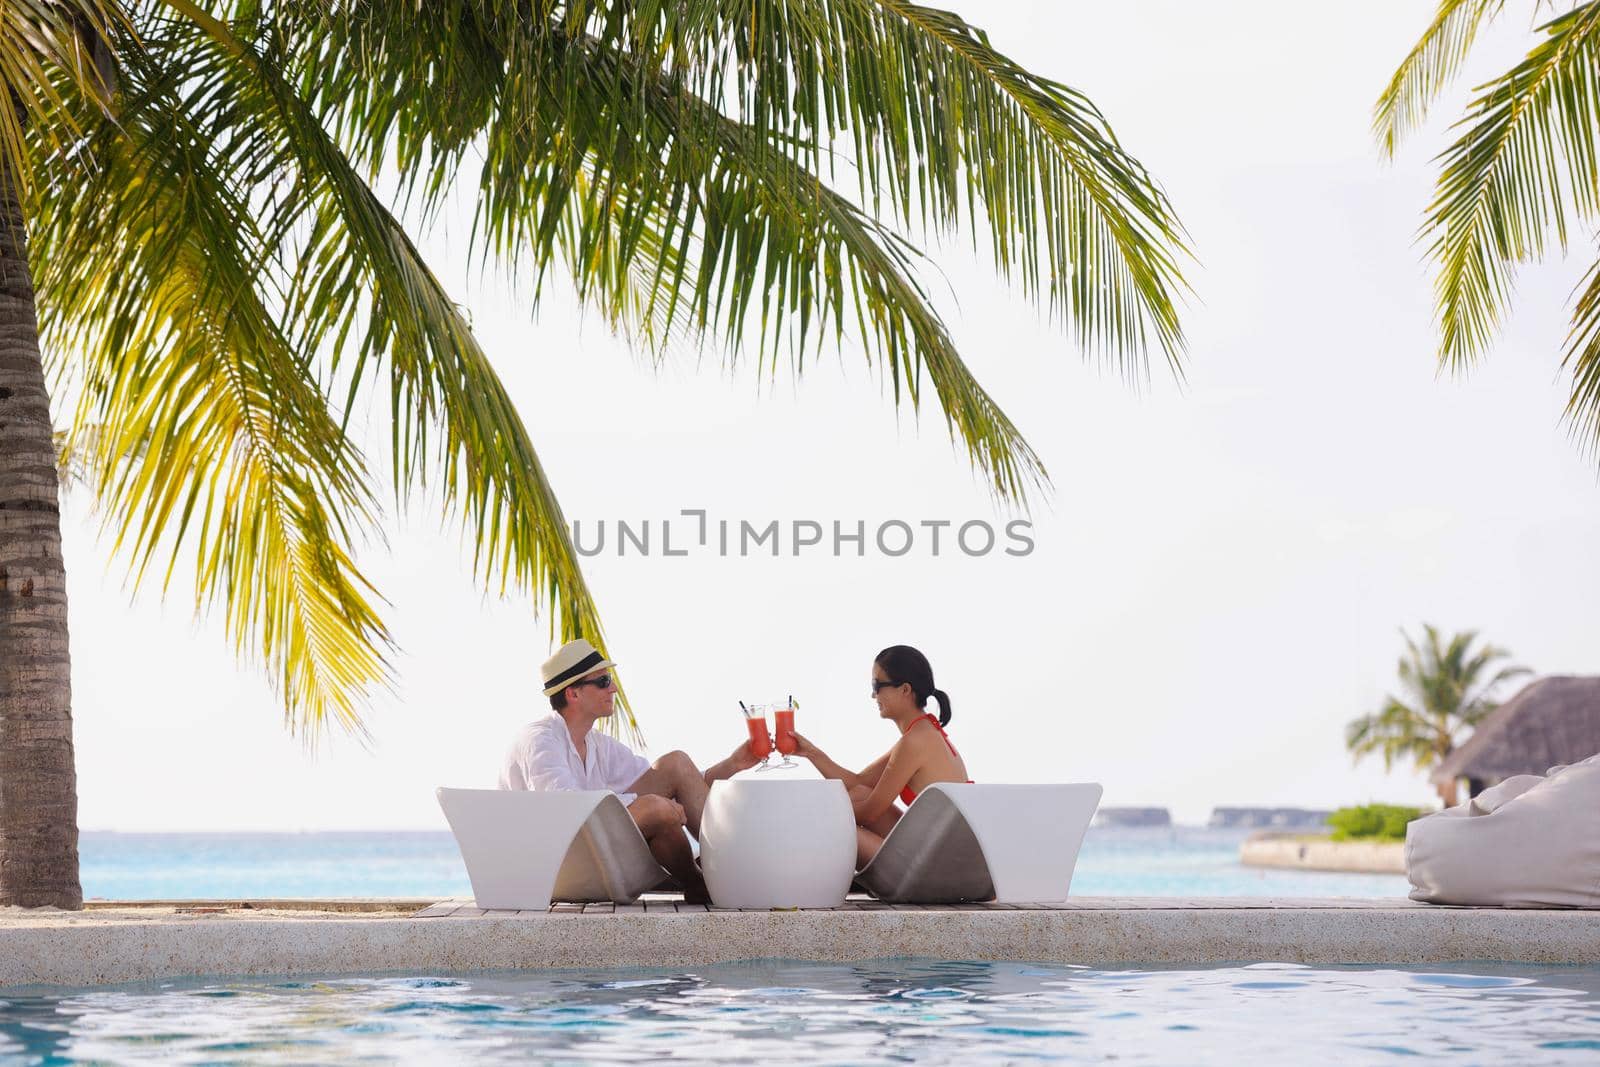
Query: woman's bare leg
x=869, y=838
x=883, y=823
x=867, y=845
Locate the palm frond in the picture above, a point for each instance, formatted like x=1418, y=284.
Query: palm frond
x=1444, y=678
x=773, y=245
x=942, y=122
x=1582, y=413
x=50, y=51
x=203, y=432
x=1529, y=144
x=1430, y=65
x=356, y=287
x=1397, y=731
x=695, y=137
x=673, y=155
x=72, y=467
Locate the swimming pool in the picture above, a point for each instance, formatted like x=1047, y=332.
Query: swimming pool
x=892, y=1011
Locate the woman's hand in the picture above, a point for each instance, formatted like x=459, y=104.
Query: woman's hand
x=804, y=748
x=819, y=759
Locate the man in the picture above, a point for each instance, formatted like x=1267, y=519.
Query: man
x=561, y=751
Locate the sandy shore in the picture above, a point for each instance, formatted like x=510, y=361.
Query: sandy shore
x=1313, y=853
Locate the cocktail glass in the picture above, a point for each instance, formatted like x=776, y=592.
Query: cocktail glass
x=783, y=733
x=755, y=721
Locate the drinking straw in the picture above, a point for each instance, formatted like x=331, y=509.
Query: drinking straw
x=743, y=708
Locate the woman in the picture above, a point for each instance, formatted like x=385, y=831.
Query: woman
x=902, y=682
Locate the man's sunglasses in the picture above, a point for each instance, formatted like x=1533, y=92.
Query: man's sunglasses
x=877, y=685
x=599, y=681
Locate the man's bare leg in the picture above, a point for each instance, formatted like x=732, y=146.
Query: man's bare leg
x=661, y=822
x=676, y=777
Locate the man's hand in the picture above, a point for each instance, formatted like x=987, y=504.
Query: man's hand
x=656, y=814
x=739, y=760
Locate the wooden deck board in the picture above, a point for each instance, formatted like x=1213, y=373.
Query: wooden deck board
x=667, y=903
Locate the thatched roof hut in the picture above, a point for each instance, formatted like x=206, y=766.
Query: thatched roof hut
x=1551, y=721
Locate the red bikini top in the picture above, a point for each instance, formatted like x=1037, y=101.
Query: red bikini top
x=907, y=795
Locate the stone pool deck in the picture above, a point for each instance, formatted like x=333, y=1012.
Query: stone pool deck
x=110, y=943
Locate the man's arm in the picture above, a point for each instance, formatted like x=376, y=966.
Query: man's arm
x=739, y=760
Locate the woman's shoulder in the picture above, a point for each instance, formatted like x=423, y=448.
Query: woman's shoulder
x=920, y=734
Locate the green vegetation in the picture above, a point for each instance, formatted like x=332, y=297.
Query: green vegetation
x=1372, y=822
x=1521, y=175
x=1448, y=691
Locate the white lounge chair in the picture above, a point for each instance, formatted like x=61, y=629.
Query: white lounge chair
x=1015, y=844
x=524, y=849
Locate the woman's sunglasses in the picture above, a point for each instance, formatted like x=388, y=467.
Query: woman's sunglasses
x=877, y=685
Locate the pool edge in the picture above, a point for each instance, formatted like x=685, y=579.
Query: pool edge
x=65, y=952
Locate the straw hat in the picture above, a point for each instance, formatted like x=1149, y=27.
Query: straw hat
x=573, y=662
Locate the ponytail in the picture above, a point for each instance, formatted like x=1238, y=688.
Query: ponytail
x=902, y=663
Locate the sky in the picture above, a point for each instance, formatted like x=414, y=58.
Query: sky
x=1219, y=574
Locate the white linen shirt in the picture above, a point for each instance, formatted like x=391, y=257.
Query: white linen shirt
x=543, y=757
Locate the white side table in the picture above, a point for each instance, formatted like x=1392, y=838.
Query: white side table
x=778, y=844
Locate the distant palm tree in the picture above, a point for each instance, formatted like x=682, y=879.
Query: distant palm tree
x=1522, y=173
x=190, y=242
x=1448, y=691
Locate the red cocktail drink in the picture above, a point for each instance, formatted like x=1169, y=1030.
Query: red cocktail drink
x=785, y=731
x=760, y=742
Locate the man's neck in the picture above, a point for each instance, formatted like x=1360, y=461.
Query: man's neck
x=578, y=727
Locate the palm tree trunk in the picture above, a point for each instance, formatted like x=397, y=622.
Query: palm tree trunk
x=1449, y=792
x=38, y=782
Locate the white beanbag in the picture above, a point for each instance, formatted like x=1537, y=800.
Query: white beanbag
x=1528, y=842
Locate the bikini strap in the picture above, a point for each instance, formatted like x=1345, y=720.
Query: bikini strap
x=936, y=726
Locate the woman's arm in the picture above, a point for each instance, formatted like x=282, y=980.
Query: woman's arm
x=824, y=765
x=868, y=776
x=873, y=771
x=899, y=765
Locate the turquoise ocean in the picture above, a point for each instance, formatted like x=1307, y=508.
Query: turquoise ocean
x=1175, y=861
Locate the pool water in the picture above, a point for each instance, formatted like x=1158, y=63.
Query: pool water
x=893, y=1011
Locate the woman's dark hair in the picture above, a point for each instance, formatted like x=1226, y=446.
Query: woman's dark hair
x=904, y=664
